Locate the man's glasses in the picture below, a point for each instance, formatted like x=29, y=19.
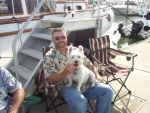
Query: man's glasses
x=58, y=38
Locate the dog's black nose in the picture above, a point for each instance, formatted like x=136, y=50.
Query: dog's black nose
x=76, y=61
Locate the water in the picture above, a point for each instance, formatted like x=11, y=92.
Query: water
x=125, y=41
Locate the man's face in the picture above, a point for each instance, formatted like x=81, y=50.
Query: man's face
x=59, y=39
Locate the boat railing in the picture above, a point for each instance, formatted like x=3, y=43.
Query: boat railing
x=19, y=34
x=2, y=3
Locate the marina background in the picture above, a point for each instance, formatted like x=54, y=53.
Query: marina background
x=125, y=41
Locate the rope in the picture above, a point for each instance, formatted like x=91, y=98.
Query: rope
x=122, y=14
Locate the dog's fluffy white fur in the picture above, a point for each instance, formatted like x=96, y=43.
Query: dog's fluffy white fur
x=82, y=75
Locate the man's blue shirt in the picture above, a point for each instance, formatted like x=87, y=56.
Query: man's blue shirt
x=8, y=84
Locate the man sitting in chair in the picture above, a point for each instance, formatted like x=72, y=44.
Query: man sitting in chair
x=56, y=69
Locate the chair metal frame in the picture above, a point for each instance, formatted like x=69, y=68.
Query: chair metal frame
x=101, y=53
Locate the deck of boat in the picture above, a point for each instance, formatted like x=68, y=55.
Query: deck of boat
x=138, y=81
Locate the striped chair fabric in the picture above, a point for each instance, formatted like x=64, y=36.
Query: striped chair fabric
x=101, y=53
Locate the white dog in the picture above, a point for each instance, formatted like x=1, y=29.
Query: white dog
x=82, y=75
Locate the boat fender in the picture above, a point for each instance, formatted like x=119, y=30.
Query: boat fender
x=108, y=17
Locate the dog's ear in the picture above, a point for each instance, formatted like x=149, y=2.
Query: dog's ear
x=81, y=49
x=70, y=48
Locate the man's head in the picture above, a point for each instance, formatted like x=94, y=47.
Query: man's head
x=59, y=38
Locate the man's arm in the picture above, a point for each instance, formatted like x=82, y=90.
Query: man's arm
x=15, y=88
x=17, y=99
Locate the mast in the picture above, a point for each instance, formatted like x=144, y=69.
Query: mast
x=13, y=7
x=99, y=29
x=127, y=6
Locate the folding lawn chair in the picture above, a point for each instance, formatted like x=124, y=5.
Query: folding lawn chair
x=47, y=90
x=101, y=53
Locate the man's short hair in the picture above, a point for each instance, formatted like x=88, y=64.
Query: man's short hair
x=57, y=30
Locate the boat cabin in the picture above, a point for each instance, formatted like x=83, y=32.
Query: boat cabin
x=26, y=7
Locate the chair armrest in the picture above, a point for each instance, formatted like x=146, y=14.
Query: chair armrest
x=111, y=55
x=128, y=55
x=94, y=59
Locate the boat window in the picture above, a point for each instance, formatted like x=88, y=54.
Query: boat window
x=6, y=7
x=32, y=4
x=78, y=7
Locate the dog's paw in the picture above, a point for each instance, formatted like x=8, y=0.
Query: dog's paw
x=93, y=84
x=78, y=90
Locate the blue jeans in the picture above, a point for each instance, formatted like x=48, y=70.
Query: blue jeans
x=77, y=101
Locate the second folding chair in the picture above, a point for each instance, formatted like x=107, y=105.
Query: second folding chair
x=101, y=54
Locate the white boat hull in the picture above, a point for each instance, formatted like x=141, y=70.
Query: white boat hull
x=6, y=41
x=122, y=9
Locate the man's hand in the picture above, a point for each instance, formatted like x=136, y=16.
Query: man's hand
x=13, y=110
x=100, y=79
x=68, y=69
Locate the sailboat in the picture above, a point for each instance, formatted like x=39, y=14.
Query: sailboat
x=144, y=14
x=143, y=8
x=127, y=8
